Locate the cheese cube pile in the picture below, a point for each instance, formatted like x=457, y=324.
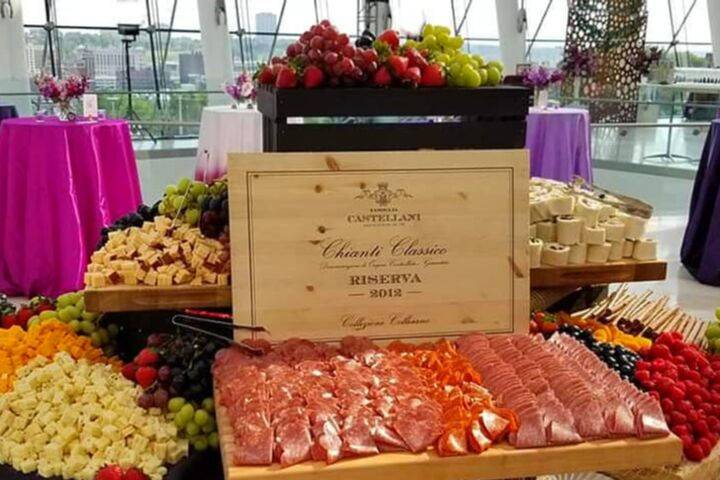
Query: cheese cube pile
x=159, y=254
x=70, y=418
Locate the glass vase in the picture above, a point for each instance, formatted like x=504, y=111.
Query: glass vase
x=64, y=111
x=541, y=97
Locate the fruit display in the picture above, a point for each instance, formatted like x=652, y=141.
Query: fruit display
x=174, y=373
x=18, y=347
x=687, y=382
x=571, y=226
x=115, y=472
x=323, y=56
x=329, y=403
x=70, y=418
x=215, y=208
x=182, y=201
x=11, y=316
x=159, y=253
x=134, y=219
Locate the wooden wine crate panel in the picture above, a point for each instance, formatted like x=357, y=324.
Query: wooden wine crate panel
x=135, y=298
x=499, y=462
x=388, y=245
x=598, y=274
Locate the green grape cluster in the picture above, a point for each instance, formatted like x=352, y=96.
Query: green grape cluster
x=463, y=69
x=183, y=200
x=196, y=422
x=713, y=333
x=70, y=309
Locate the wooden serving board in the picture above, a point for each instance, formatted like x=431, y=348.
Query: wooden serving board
x=133, y=299
x=499, y=462
x=598, y=274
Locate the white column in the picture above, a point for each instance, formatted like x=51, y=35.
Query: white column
x=714, y=19
x=217, y=55
x=512, y=38
x=13, y=67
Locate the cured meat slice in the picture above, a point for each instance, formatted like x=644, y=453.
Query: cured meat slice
x=357, y=436
x=253, y=445
x=477, y=439
x=292, y=442
x=418, y=425
x=453, y=442
x=495, y=426
x=327, y=444
x=386, y=438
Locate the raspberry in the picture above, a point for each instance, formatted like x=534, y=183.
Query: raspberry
x=677, y=418
x=681, y=430
x=705, y=445
x=713, y=424
x=676, y=394
x=642, y=376
x=694, y=452
x=701, y=428
x=687, y=440
x=660, y=351
x=667, y=405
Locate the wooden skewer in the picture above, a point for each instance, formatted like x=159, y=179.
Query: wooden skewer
x=657, y=322
x=640, y=305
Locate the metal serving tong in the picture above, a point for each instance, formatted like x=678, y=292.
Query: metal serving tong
x=193, y=320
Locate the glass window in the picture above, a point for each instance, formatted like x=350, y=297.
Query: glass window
x=186, y=14
x=100, y=13
x=33, y=12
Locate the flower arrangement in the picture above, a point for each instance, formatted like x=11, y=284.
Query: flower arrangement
x=242, y=90
x=579, y=62
x=646, y=59
x=542, y=78
x=62, y=92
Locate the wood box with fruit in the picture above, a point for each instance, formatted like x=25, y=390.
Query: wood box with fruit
x=381, y=94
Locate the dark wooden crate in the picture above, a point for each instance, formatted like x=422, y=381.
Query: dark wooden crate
x=488, y=118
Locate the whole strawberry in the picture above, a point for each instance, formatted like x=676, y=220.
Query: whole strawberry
x=134, y=474
x=433, y=76
x=382, y=77
x=109, y=472
x=286, y=77
x=147, y=357
x=146, y=376
x=265, y=75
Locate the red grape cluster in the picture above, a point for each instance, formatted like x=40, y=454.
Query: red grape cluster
x=321, y=56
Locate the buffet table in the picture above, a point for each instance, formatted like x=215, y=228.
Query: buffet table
x=60, y=183
x=223, y=130
x=701, y=246
x=559, y=143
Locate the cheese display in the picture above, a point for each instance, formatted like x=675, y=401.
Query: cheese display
x=160, y=253
x=594, y=232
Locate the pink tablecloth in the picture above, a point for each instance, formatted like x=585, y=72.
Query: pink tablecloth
x=60, y=183
x=559, y=143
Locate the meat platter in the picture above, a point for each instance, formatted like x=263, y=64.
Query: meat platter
x=585, y=418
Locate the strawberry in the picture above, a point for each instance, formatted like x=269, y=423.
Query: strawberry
x=43, y=307
x=398, y=65
x=390, y=37
x=128, y=371
x=23, y=315
x=369, y=54
x=265, y=75
x=382, y=77
x=413, y=74
x=433, y=76
x=109, y=472
x=286, y=78
x=313, y=77
x=9, y=321
x=145, y=377
x=134, y=474
x=147, y=357
x=416, y=60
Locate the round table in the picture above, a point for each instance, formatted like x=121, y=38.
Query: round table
x=700, y=251
x=226, y=130
x=7, y=111
x=60, y=183
x=559, y=143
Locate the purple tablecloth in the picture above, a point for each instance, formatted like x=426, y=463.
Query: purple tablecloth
x=700, y=251
x=60, y=183
x=559, y=143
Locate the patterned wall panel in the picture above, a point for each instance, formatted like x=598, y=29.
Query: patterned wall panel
x=615, y=31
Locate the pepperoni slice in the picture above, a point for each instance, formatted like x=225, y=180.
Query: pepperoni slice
x=453, y=442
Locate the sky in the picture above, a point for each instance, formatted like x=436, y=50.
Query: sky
x=408, y=15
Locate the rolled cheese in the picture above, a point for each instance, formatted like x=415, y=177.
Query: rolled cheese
x=606, y=211
x=546, y=231
x=594, y=235
x=616, y=251
x=589, y=210
x=634, y=226
x=628, y=247
x=539, y=210
x=598, y=253
x=561, y=205
x=614, y=229
x=568, y=229
x=578, y=254
x=535, y=246
x=555, y=254
x=645, y=249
